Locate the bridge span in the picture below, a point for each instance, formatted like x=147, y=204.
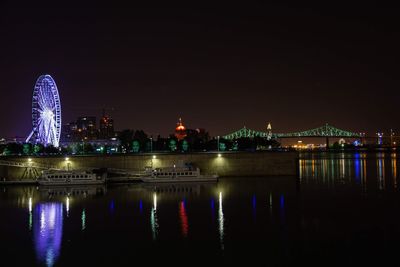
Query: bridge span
x=326, y=131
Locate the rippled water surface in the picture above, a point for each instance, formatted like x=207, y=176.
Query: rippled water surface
x=342, y=209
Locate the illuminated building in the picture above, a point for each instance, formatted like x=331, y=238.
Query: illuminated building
x=269, y=131
x=106, y=127
x=68, y=132
x=87, y=127
x=180, y=130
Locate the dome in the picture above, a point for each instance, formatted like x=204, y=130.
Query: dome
x=180, y=130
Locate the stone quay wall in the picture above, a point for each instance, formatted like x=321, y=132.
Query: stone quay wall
x=224, y=164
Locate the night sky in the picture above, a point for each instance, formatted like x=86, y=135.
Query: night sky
x=218, y=68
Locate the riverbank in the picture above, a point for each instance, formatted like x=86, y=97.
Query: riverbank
x=263, y=163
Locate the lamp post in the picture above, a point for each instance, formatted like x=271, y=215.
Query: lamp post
x=218, y=142
x=151, y=144
x=68, y=163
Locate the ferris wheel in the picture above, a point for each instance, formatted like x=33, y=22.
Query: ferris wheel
x=46, y=113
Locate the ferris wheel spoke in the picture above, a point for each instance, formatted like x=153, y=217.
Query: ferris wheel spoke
x=41, y=103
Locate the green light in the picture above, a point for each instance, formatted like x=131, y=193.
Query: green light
x=83, y=217
x=323, y=131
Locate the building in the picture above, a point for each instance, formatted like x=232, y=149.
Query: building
x=87, y=127
x=69, y=132
x=180, y=130
x=106, y=130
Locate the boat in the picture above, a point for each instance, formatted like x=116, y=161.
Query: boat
x=176, y=175
x=70, y=178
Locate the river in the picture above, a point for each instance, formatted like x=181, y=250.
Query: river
x=343, y=208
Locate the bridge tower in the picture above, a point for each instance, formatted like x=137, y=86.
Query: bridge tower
x=327, y=138
x=269, y=131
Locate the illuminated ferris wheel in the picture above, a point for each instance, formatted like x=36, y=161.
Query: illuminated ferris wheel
x=46, y=113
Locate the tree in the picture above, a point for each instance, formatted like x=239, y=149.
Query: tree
x=13, y=149
x=38, y=149
x=141, y=137
x=26, y=149
x=126, y=139
x=51, y=150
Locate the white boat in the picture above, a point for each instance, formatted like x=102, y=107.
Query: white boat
x=176, y=175
x=70, y=178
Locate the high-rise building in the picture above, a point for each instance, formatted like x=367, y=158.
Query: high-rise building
x=68, y=132
x=106, y=127
x=87, y=127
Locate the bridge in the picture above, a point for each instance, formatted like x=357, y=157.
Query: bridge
x=325, y=131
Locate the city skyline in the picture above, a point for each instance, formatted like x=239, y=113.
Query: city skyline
x=218, y=69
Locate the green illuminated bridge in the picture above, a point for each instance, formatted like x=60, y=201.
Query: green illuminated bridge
x=323, y=131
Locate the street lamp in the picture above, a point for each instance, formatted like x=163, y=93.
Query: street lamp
x=68, y=163
x=218, y=142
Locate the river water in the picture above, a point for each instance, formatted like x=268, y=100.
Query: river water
x=342, y=209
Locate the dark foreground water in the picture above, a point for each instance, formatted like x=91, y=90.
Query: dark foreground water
x=344, y=209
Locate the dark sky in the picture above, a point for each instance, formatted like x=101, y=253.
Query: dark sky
x=218, y=68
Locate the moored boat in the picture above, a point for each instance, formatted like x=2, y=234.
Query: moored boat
x=176, y=175
x=70, y=178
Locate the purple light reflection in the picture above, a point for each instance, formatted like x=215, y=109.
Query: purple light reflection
x=47, y=231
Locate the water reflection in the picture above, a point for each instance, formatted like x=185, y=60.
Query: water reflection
x=47, y=232
x=342, y=168
x=67, y=206
x=30, y=213
x=83, y=218
x=221, y=222
x=357, y=168
x=184, y=218
x=381, y=173
x=333, y=169
x=364, y=174
x=329, y=205
x=212, y=204
x=270, y=203
x=394, y=169
x=153, y=218
x=282, y=207
x=254, y=203
x=141, y=206
x=112, y=207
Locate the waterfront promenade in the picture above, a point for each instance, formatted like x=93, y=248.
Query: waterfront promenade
x=224, y=164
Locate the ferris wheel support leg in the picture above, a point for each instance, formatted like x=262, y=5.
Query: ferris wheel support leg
x=30, y=136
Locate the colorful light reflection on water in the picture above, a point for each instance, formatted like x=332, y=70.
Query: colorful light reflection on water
x=331, y=200
x=47, y=231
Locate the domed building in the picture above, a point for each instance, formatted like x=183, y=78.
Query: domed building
x=180, y=130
